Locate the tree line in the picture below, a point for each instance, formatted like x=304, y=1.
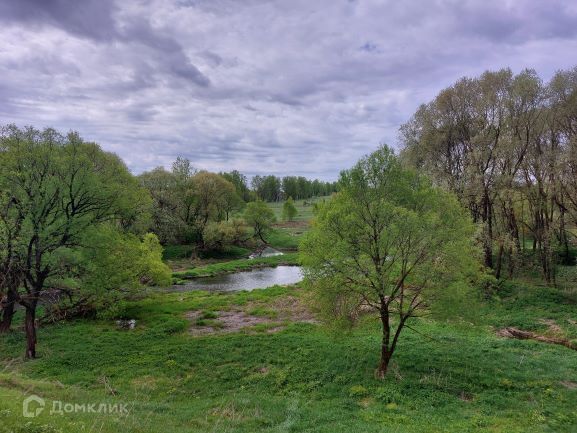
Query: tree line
x=506, y=145
x=189, y=204
x=272, y=188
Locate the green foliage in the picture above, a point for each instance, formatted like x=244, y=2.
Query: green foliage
x=115, y=260
x=238, y=265
x=289, y=211
x=260, y=217
x=450, y=377
x=391, y=242
x=185, y=201
x=219, y=235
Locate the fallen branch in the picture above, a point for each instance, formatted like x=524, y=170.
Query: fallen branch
x=519, y=334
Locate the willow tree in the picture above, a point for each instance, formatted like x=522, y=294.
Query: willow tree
x=59, y=187
x=289, y=211
x=389, y=243
x=260, y=217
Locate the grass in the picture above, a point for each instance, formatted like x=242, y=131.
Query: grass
x=237, y=265
x=304, y=208
x=286, y=234
x=447, y=377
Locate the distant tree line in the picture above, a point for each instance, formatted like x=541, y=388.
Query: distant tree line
x=189, y=204
x=506, y=145
x=272, y=188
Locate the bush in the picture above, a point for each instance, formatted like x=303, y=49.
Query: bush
x=219, y=235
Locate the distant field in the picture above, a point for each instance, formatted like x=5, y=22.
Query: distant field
x=287, y=234
x=304, y=208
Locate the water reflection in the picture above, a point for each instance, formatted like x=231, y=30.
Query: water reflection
x=250, y=280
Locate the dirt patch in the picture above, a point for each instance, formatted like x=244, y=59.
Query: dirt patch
x=569, y=385
x=227, y=322
x=553, y=327
x=292, y=224
x=511, y=332
x=275, y=314
x=292, y=309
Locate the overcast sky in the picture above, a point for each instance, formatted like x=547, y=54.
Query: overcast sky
x=263, y=86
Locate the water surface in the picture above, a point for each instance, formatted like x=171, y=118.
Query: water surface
x=249, y=280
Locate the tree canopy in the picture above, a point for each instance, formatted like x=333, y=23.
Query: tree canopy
x=260, y=217
x=505, y=144
x=390, y=243
x=56, y=189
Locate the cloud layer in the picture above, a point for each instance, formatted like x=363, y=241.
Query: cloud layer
x=262, y=86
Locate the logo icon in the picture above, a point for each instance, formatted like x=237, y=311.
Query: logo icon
x=32, y=406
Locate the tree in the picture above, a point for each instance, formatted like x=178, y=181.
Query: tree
x=60, y=186
x=219, y=235
x=289, y=211
x=10, y=272
x=215, y=199
x=388, y=242
x=116, y=259
x=504, y=144
x=171, y=203
x=240, y=182
x=260, y=217
x=186, y=200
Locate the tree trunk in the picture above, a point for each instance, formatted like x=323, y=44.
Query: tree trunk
x=384, y=362
x=8, y=311
x=30, y=326
x=386, y=353
x=488, y=221
x=499, y=261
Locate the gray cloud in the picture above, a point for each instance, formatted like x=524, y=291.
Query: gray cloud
x=259, y=85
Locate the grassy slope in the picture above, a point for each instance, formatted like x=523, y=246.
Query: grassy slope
x=447, y=377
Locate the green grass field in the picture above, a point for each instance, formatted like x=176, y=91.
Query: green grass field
x=281, y=374
x=286, y=234
x=447, y=377
x=304, y=208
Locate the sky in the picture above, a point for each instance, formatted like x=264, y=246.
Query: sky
x=284, y=87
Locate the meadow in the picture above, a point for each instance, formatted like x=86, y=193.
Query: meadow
x=447, y=377
x=281, y=373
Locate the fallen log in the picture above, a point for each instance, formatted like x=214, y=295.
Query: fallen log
x=511, y=332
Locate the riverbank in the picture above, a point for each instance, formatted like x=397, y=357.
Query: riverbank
x=239, y=265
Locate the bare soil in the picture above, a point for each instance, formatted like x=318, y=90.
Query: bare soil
x=284, y=310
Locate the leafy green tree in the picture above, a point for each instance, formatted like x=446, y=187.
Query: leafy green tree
x=60, y=187
x=171, y=200
x=390, y=244
x=260, y=217
x=219, y=235
x=289, y=211
x=240, y=183
x=186, y=200
x=120, y=260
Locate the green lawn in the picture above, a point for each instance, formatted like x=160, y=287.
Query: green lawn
x=447, y=377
